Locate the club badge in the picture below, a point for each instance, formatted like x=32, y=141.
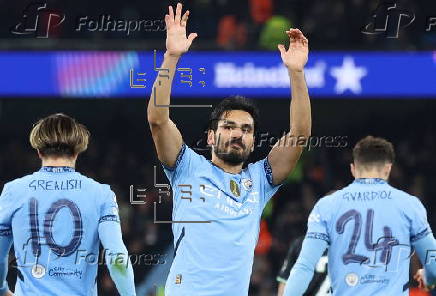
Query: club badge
x=247, y=184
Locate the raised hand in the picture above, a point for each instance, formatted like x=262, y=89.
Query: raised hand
x=295, y=58
x=177, y=43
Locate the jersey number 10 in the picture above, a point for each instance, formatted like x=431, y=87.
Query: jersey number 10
x=50, y=215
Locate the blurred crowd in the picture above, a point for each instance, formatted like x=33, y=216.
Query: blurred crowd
x=124, y=162
x=241, y=25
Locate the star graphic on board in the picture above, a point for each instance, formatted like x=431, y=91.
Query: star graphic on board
x=348, y=76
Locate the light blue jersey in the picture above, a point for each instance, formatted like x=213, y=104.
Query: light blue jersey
x=370, y=228
x=55, y=217
x=215, y=258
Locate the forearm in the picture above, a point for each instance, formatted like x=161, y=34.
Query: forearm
x=117, y=257
x=121, y=271
x=3, y=272
x=302, y=271
x=5, y=245
x=425, y=249
x=161, y=91
x=300, y=110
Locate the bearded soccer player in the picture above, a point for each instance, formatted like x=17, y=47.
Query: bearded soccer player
x=216, y=258
x=370, y=229
x=56, y=219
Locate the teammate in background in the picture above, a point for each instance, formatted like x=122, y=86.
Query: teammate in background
x=370, y=229
x=56, y=219
x=216, y=258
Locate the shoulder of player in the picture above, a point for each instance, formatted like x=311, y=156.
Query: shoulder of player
x=194, y=153
x=187, y=154
x=90, y=183
x=262, y=163
x=331, y=197
x=404, y=195
x=17, y=183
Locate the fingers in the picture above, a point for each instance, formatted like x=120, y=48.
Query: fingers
x=171, y=13
x=281, y=48
x=184, y=20
x=191, y=38
x=167, y=20
x=178, y=13
x=295, y=35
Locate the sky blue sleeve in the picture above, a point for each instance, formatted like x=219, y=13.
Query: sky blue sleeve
x=267, y=178
x=302, y=271
x=419, y=226
x=117, y=257
x=426, y=251
x=108, y=206
x=318, y=221
x=5, y=237
x=186, y=161
x=116, y=254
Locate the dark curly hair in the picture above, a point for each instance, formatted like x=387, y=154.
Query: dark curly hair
x=373, y=150
x=234, y=103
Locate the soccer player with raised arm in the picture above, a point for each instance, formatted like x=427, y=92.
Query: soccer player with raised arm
x=370, y=229
x=56, y=219
x=216, y=258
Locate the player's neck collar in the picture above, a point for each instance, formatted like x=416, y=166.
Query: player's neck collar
x=370, y=181
x=57, y=169
x=233, y=174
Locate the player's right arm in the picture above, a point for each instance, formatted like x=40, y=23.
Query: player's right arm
x=424, y=243
x=314, y=245
x=166, y=136
x=5, y=238
x=5, y=245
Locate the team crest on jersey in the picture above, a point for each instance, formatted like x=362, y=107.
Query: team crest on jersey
x=234, y=188
x=247, y=184
x=38, y=271
x=352, y=279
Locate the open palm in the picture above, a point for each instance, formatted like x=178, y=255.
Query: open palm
x=295, y=58
x=177, y=43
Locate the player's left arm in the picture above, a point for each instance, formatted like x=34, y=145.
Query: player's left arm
x=116, y=254
x=5, y=239
x=284, y=155
x=117, y=257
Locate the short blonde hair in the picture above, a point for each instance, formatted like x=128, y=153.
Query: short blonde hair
x=59, y=135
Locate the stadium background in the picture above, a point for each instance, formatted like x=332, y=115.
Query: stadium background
x=121, y=152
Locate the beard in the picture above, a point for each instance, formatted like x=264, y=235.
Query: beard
x=230, y=155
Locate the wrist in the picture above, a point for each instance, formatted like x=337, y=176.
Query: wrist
x=169, y=55
x=293, y=72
